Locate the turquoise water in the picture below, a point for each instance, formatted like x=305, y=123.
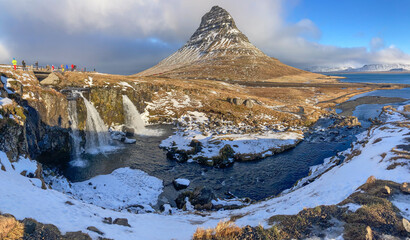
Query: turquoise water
x=398, y=78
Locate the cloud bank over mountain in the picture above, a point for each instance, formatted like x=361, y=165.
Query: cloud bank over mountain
x=128, y=36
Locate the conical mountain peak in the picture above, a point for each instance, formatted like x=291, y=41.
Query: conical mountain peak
x=219, y=50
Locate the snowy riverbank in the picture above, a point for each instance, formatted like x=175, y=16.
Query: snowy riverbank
x=372, y=155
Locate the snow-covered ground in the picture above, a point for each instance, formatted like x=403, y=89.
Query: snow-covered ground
x=124, y=188
x=263, y=143
x=369, y=156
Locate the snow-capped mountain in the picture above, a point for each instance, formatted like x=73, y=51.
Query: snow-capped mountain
x=219, y=50
x=381, y=67
x=366, y=68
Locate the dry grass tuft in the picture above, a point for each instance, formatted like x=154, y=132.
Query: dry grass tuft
x=10, y=228
x=223, y=231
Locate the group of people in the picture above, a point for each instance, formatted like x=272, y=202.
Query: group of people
x=48, y=68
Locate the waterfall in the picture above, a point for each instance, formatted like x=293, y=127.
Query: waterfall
x=75, y=134
x=97, y=136
x=132, y=116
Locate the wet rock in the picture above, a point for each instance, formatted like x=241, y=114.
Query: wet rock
x=129, y=141
x=196, y=146
x=129, y=132
x=405, y=187
x=122, y=222
x=202, y=196
x=96, y=230
x=180, y=183
x=176, y=155
x=225, y=157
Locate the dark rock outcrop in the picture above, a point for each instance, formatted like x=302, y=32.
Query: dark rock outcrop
x=122, y=222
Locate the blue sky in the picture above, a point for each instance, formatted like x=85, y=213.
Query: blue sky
x=128, y=36
x=350, y=23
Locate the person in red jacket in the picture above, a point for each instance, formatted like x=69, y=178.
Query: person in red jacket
x=72, y=67
x=52, y=67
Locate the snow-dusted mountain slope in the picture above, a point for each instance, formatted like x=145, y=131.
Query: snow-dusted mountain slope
x=219, y=50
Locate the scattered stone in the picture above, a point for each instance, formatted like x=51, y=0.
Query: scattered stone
x=406, y=224
x=405, y=187
x=129, y=141
x=69, y=203
x=76, y=236
x=371, y=180
x=196, y=146
x=94, y=229
x=180, y=183
x=386, y=190
x=202, y=196
x=166, y=208
x=249, y=103
x=369, y=233
x=237, y=101
x=122, y=222
x=107, y=220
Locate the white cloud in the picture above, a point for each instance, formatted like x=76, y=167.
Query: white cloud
x=173, y=21
x=4, y=54
x=376, y=43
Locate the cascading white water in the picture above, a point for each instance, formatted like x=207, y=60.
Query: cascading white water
x=132, y=116
x=97, y=136
x=75, y=134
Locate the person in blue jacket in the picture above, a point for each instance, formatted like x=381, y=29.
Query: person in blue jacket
x=66, y=67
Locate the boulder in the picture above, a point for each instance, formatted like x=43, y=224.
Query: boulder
x=129, y=140
x=406, y=224
x=52, y=79
x=129, y=132
x=249, y=103
x=405, y=188
x=180, y=183
x=237, y=101
x=94, y=229
x=196, y=146
x=122, y=222
x=202, y=196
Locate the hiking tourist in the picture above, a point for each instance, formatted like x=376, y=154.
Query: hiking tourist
x=24, y=65
x=14, y=62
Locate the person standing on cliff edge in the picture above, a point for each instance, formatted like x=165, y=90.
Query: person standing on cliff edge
x=24, y=65
x=14, y=62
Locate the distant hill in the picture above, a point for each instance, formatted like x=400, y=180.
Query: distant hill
x=366, y=68
x=219, y=50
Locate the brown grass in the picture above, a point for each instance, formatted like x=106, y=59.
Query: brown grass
x=10, y=228
x=223, y=231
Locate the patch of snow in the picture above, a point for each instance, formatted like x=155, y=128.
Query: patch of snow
x=5, y=101
x=352, y=207
x=121, y=189
x=182, y=181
